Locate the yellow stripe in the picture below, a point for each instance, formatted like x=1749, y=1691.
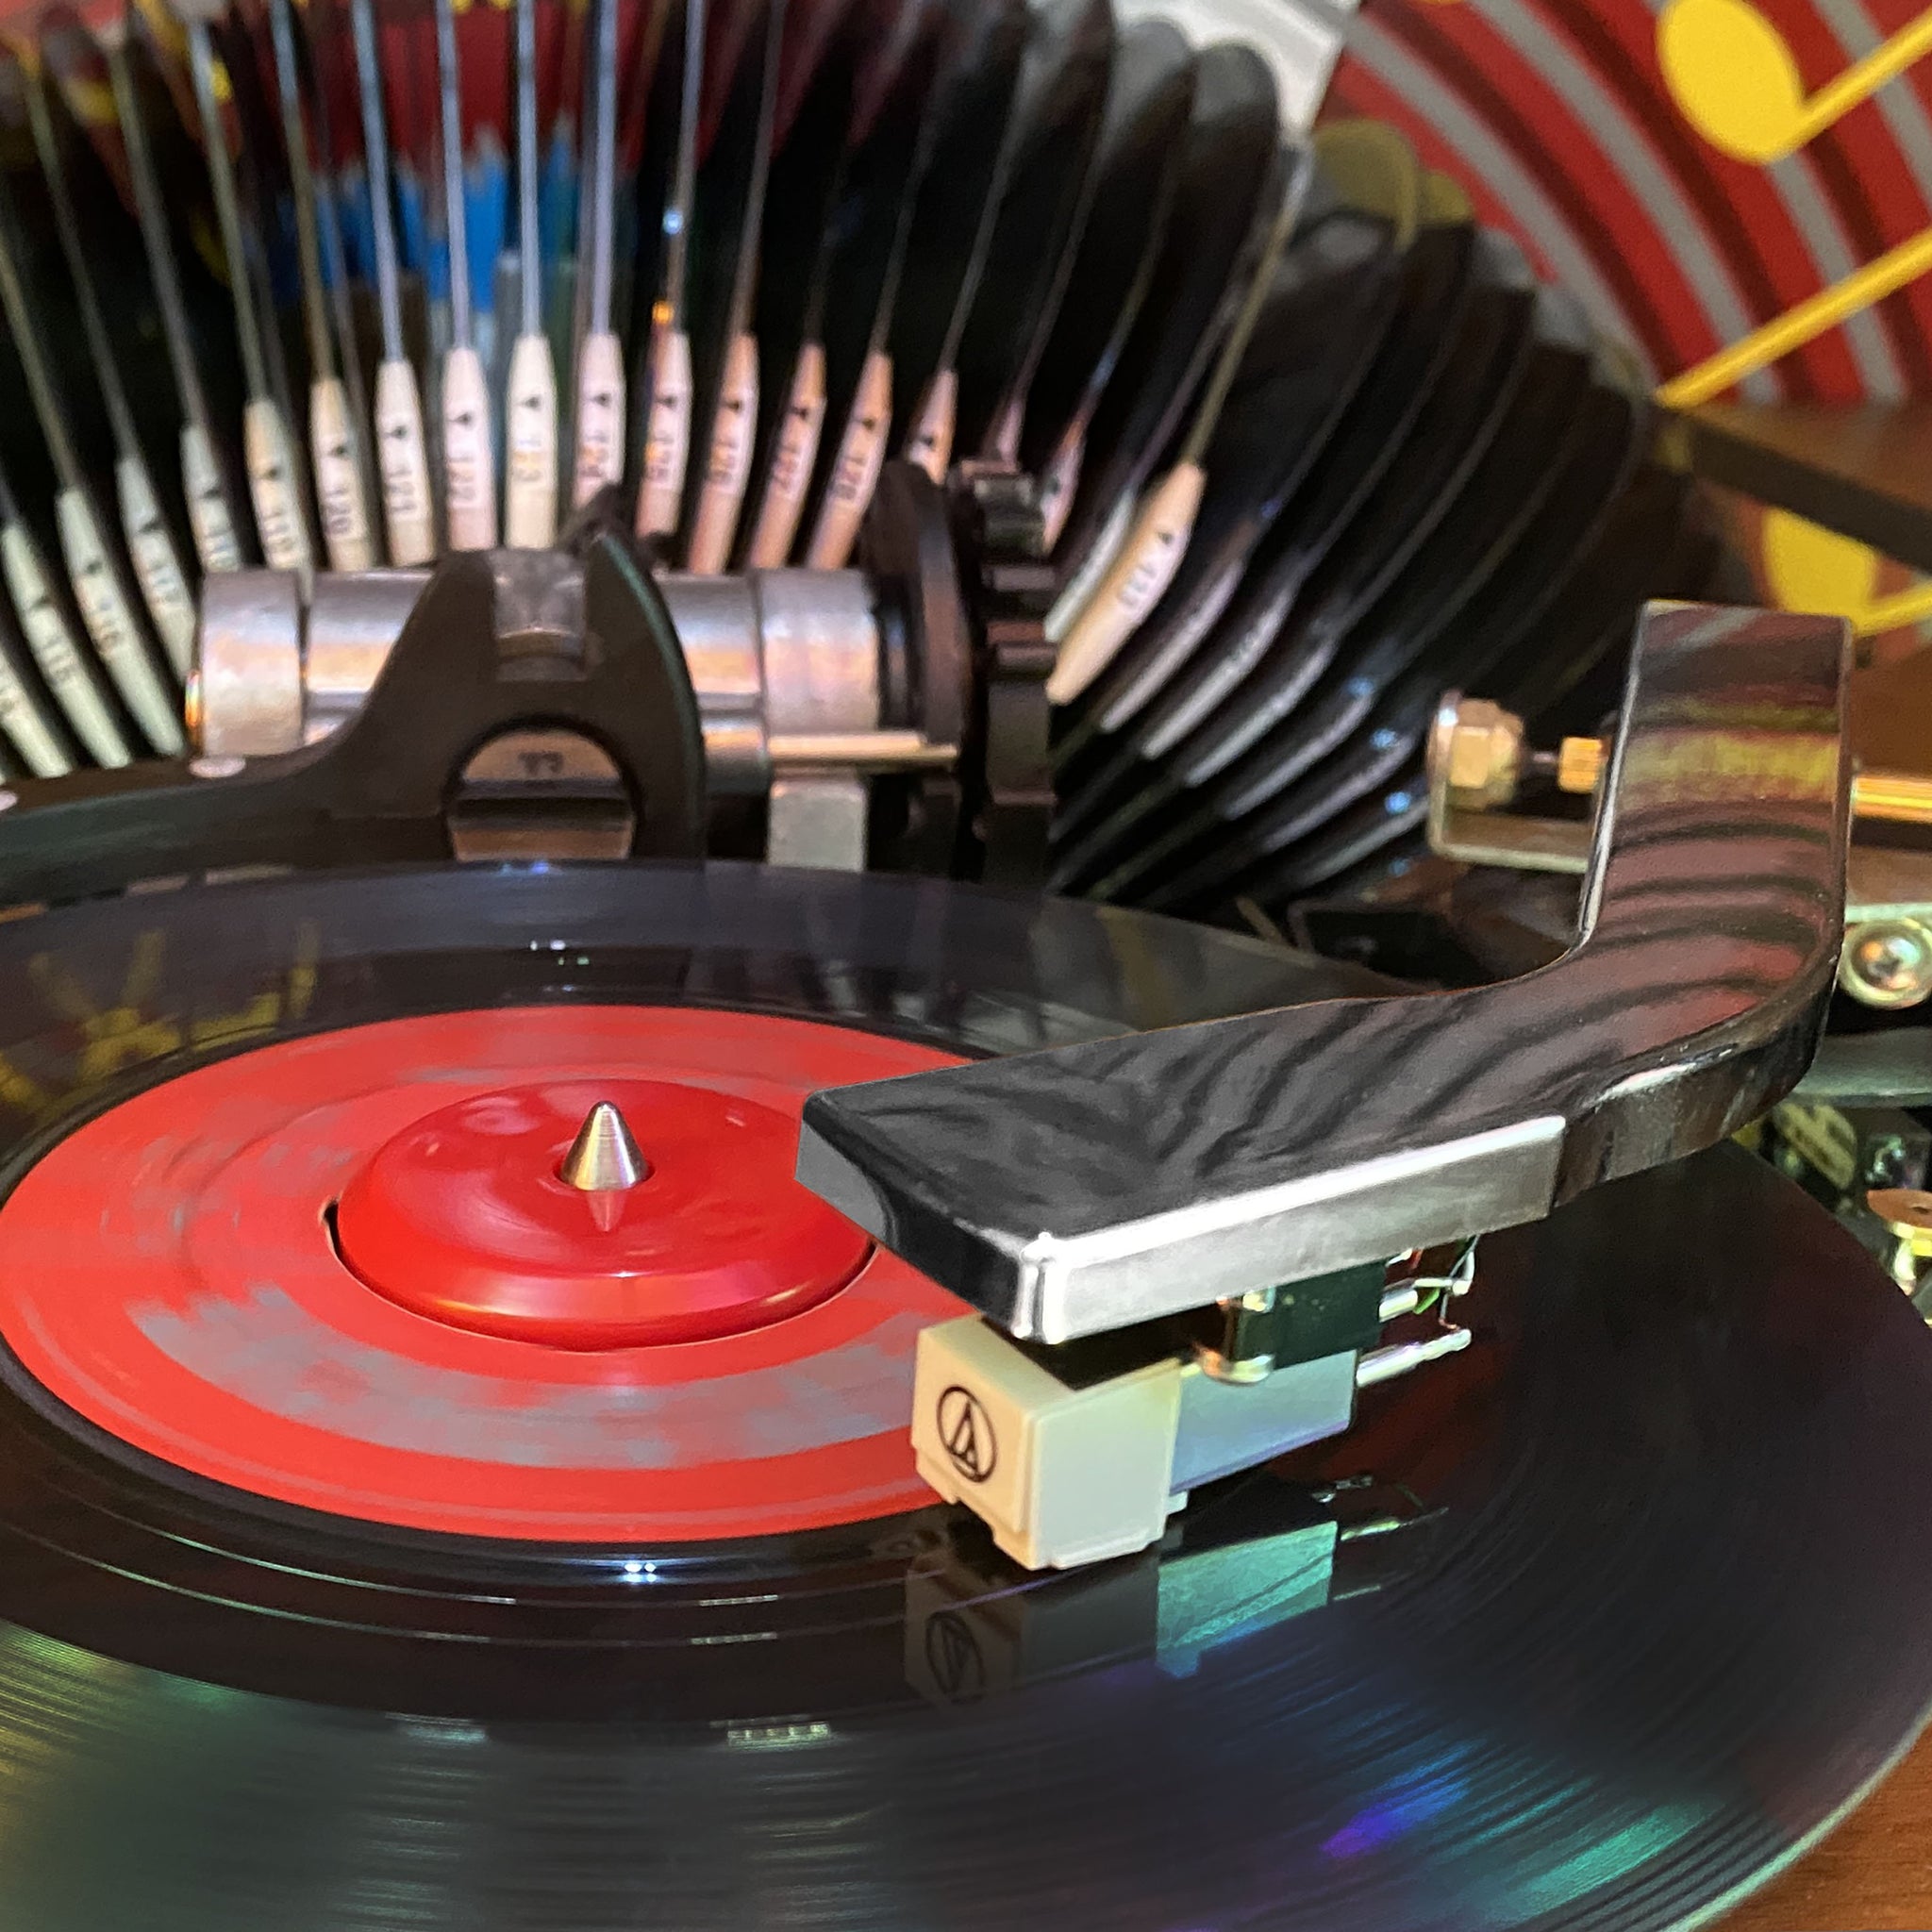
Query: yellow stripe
x=1799, y=325
x=1837, y=99
x=1902, y=607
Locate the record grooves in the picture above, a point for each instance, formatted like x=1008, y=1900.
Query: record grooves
x=554, y=1379
x=1615, y=1617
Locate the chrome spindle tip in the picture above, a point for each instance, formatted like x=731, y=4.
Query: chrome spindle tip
x=603, y=1157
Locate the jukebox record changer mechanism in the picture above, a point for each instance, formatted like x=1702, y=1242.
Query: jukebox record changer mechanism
x=1183, y=1248
x=810, y=683
x=750, y=1173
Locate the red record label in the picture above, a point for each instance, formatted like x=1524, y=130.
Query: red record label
x=171, y=1273
x=466, y=1216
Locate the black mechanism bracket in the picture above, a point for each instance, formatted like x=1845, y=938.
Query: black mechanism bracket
x=578, y=649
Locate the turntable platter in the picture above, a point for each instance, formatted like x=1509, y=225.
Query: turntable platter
x=1648, y=1616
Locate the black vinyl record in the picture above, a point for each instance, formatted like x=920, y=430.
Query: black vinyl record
x=1359, y=836
x=1385, y=553
x=159, y=167
x=121, y=324
x=1150, y=94
x=883, y=59
x=1036, y=231
x=1647, y=530
x=1333, y=298
x=1591, y=1626
x=728, y=219
x=1227, y=189
x=1365, y=722
x=873, y=223
x=812, y=121
x=1438, y=276
x=1369, y=725
x=967, y=154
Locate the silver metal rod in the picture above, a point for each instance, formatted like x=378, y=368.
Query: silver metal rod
x=322, y=357
x=684, y=186
x=603, y=197
x=221, y=175
x=866, y=750
x=450, y=97
x=389, y=294
x=1401, y=1358
x=529, y=235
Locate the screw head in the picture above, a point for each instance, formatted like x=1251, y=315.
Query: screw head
x=1884, y=1162
x=1908, y=1212
x=1887, y=962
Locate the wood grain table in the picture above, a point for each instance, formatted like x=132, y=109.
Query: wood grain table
x=1874, y=1874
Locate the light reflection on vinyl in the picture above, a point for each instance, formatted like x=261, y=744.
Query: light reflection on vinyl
x=1590, y=1627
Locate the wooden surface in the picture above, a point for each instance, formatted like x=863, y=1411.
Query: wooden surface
x=1864, y=468
x=1874, y=1874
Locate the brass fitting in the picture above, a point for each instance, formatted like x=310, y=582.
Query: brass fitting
x=1482, y=752
x=1485, y=760
x=1907, y=1213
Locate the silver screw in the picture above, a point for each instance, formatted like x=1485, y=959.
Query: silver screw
x=223, y=766
x=1887, y=962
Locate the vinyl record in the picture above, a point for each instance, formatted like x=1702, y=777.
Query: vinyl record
x=1593, y=1624
x=1332, y=301
x=1386, y=551
x=872, y=238
x=1225, y=197
x=729, y=223
x=1567, y=593
x=1360, y=838
x=1647, y=532
x=874, y=221
x=118, y=322
x=1438, y=274
x=655, y=188
x=971, y=152
x=1150, y=94
x=48, y=318
x=811, y=135
x=1037, y=229
x=143, y=144
x=1363, y=724
x=35, y=558
x=887, y=71
x=1101, y=611
x=1368, y=727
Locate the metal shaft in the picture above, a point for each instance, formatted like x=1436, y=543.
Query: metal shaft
x=1899, y=798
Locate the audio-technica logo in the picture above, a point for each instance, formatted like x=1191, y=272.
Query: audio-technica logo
x=966, y=1434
